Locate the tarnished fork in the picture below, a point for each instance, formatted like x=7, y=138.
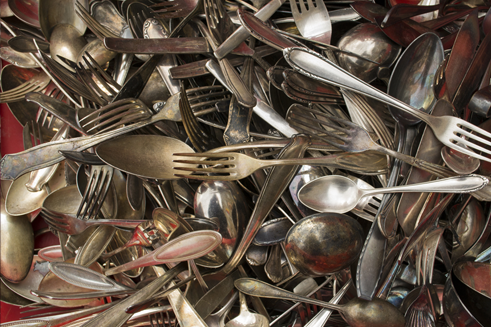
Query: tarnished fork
x=43, y=116
x=97, y=28
x=36, y=84
x=353, y=138
x=201, y=140
x=96, y=191
x=93, y=76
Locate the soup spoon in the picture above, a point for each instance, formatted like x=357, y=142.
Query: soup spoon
x=340, y=194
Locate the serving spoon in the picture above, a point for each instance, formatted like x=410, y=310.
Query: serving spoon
x=340, y=194
x=356, y=312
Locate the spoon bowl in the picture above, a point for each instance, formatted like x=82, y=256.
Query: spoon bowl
x=340, y=194
x=67, y=42
x=147, y=156
x=459, y=162
x=247, y=318
x=324, y=243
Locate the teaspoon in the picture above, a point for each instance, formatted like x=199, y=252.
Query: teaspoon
x=340, y=194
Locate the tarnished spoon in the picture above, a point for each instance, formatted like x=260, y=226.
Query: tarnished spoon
x=357, y=312
x=247, y=318
x=340, y=194
x=185, y=247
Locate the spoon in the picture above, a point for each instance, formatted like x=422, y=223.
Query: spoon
x=67, y=42
x=370, y=42
x=26, y=11
x=324, y=243
x=356, y=312
x=189, y=246
x=147, y=156
x=459, y=162
x=247, y=318
x=217, y=319
x=54, y=12
x=340, y=194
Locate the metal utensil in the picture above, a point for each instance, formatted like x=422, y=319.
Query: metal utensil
x=247, y=318
x=189, y=246
x=235, y=166
x=356, y=312
x=340, y=194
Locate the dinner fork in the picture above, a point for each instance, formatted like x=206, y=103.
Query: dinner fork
x=312, y=22
x=95, y=192
x=201, y=140
x=230, y=166
x=451, y=131
x=97, y=28
x=174, y=9
x=35, y=84
x=44, y=117
x=70, y=225
x=67, y=78
x=350, y=137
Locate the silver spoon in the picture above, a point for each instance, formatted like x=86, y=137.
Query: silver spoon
x=340, y=194
x=247, y=318
x=459, y=162
x=357, y=312
x=217, y=319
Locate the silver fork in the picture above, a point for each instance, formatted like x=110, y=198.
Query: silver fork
x=70, y=225
x=99, y=30
x=201, y=140
x=43, y=116
x=174, y=9
x=451, y=131
x=36, y=84
x=312, y=22
x=68, y=78
x=230, y=166
x=96, y=79
x=353, y=138
x=114, y=115
x=96, y=191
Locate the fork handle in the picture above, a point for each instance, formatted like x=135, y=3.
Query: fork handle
x=47, y=154
x=115, y=222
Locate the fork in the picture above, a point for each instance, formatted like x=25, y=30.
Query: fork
x=230, y=166
x=355, y=138
x=312, y=22
x=174, y=9
x=67, y=223
x=97, y=28
x=63, y=76
x=36, y=84
x=201, y=140
x=95, y=192
x=449, y=130
x=44, y=117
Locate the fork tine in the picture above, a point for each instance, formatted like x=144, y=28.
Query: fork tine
x=472, y=153
x=311, y=4
x=201, y=162
x=204, y=177
x=206, y=155
x=206, y=170
x=103, y=188
x=294, y=6
x=303, y=8
x=100, y=74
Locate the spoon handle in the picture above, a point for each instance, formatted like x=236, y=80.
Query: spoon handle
x=319, y=68
x=115, y=222
x=457, y=184
x=254, y=287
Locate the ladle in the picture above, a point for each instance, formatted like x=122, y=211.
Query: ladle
x=356, y=312
x=340, y=194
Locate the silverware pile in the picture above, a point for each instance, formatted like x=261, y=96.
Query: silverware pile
x=232, y=163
